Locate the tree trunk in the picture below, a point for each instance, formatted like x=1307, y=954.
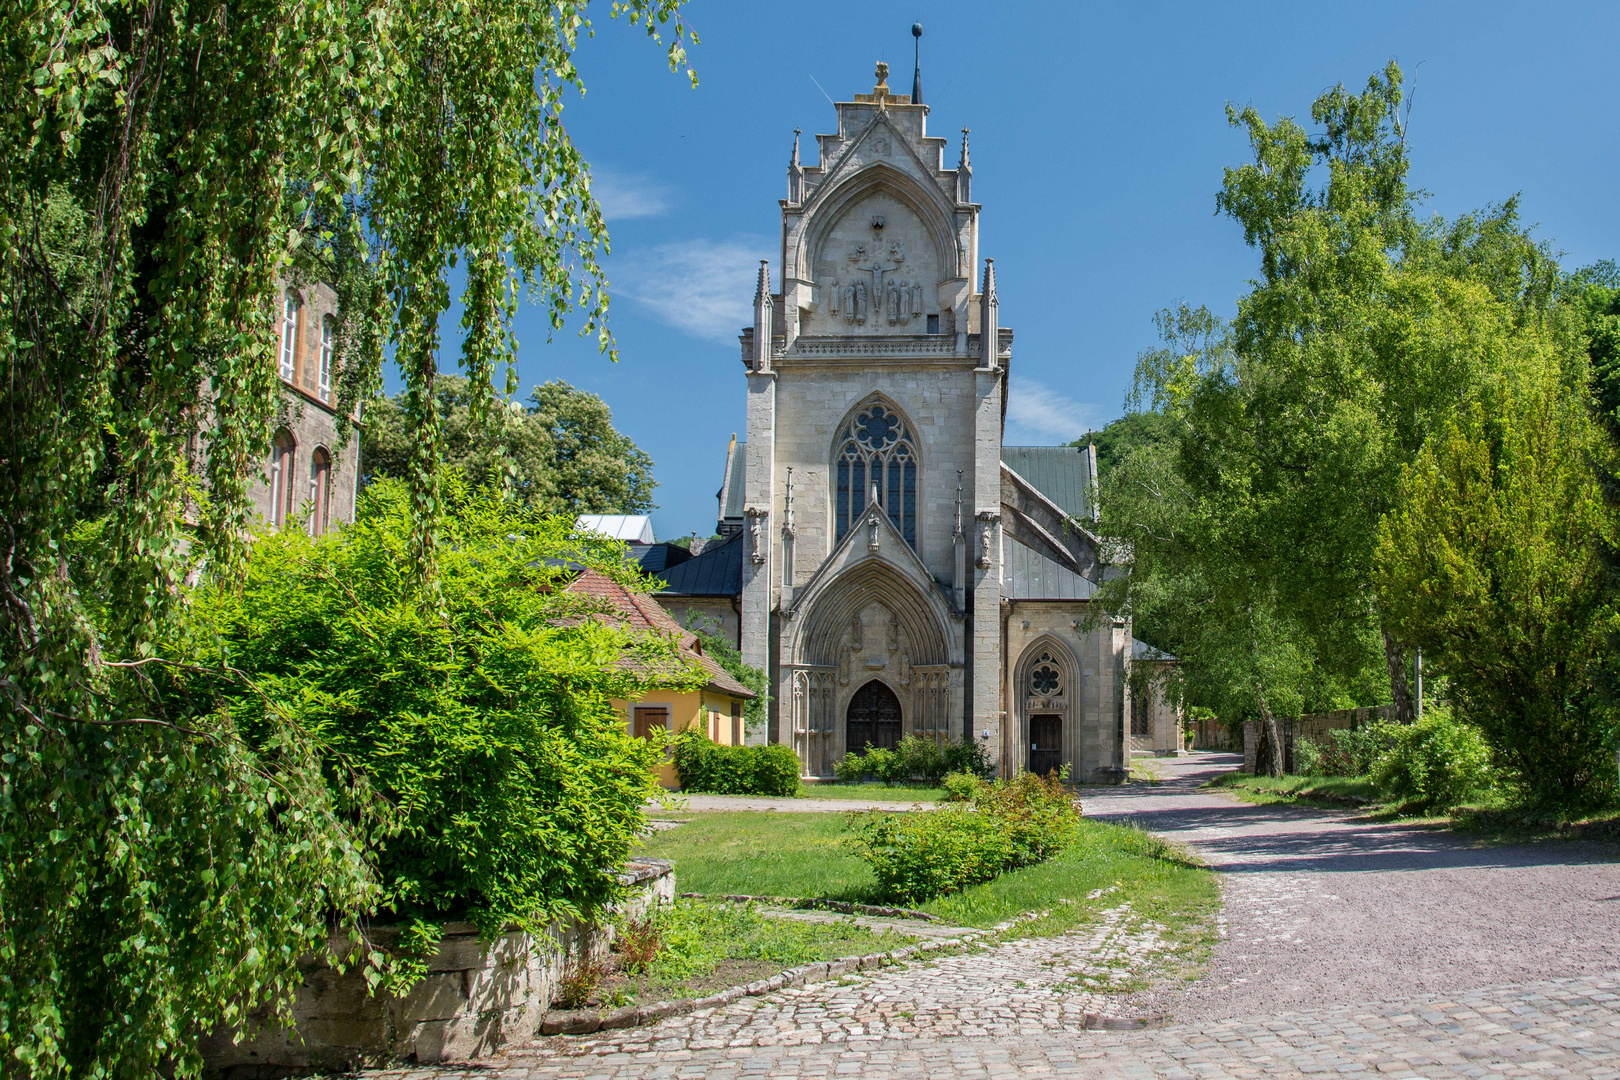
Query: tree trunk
x=1395, y=660
x=1273, y=733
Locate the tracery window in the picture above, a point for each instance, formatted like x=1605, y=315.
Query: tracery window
x=877, y=452
x=1046, y=678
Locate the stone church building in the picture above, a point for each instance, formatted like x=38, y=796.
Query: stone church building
x=894, y=566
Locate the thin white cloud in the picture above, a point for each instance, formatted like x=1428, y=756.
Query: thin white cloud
x=628, y=195
x=1037, y=414
x=704, y=287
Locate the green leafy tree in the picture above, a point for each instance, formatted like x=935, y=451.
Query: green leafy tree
x=1490, y=561
x=162, y=170
x=557, y=452
x=1193, y=587
x=487, y=724
x=1365, y=330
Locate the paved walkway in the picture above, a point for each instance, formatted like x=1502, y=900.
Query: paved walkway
x=1348, y=947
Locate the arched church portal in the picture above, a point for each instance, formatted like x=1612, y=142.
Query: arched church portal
x=873, y=718
x=1049, y=722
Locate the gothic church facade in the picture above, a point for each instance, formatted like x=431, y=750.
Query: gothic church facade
x=901, y=571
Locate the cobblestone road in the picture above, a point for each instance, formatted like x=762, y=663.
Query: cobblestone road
x=1348, y=948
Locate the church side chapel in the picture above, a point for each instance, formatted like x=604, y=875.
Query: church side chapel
x=900, y=571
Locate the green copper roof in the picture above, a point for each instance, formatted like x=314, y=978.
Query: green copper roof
x=1061, y=473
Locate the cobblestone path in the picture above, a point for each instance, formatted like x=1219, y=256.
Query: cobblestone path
x=1347, y=947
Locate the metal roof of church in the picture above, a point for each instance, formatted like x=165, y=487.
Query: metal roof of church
x=1061, y=473
x=1029, y=575
x=716, y=571
x=731, y=488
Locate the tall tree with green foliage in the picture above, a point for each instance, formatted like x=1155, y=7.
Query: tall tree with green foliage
x=162, y=168
x=557, y=452
x=1364, y=332
x=1490, y=561
x=1193, y=588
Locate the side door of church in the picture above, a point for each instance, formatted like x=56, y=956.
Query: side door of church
x=1045, y=744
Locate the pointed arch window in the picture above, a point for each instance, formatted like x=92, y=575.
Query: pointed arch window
x=877, y=452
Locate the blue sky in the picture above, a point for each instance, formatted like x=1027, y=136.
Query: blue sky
x=1098, y=141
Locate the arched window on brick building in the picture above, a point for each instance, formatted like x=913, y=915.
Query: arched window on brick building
x=320, y=490
x=282, y=453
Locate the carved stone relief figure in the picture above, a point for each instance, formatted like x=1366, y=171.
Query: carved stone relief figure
x=831, y=293
x=860, y=302
x=916, y=298
x=905, y=667
x=843, y=666
x=894, y=631
x=987, y=526
x=857, y=638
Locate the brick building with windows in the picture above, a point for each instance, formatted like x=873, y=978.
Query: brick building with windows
x=311, y=476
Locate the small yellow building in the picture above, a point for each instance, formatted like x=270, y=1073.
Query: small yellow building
x=716, y=708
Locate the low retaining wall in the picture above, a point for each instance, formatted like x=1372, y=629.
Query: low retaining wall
x=1312, y=727
x=477, y=997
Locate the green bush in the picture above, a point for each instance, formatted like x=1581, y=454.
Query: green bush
x=706, y=766
x=961, y=786
x=969, y=756
x=1433, y=764
x=1346, y=753
x=920, y=854
x=915, y=758
x=851, y=768
x=483, y=715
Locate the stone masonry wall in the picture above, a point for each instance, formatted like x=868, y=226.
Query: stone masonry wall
x=477, y=997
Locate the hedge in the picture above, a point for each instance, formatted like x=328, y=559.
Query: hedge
x=706, y=766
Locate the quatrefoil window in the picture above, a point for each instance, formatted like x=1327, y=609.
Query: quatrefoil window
x=1045, y=681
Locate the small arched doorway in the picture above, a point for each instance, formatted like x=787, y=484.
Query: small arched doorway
x=873, y=717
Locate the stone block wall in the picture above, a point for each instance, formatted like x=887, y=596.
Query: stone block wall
x=478, y=996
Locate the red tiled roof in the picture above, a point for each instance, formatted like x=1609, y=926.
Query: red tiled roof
x=639, y=612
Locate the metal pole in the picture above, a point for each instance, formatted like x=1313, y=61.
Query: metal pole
x=1420, y=682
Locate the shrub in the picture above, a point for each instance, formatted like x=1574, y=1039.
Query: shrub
x=579, y=981
x=705, y=765
x=851, y=768
x=969, y=756
x=1345, y=753
x=483, y=714
x=638, y=945
x=920, y=759
x=920, y=854
x=916, y=758
x=1433, y=764
x=961, y=786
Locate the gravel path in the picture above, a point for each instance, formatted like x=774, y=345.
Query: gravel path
x=1327, y=908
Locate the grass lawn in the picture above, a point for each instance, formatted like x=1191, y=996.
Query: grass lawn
x=1319, y=790
x=901, y=793
x=801, y=855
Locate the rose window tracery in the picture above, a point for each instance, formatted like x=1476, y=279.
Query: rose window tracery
x=877, y=452
x=1046, y=678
